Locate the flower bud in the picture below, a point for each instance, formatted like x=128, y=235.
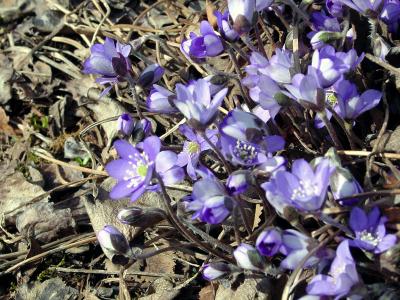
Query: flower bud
x=140, y=217
x=125, y=124
x=343, y=184
x=247, y=257
x=269, y=242
x=150, y=75
x=243, y=13
x=324, y=37
x=215, y=271
x=238, y=182
x=114, y=244
x=381, y=47
x=160, y=99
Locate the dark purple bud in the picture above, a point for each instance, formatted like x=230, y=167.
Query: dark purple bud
x=114, y=244
x=150, y=75
x=125, y=124
x=269, y=242
x=120, y=65
x=238, y=182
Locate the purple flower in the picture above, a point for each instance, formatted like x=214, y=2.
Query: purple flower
x=295, y=246
x=370, y=231
x=197, y=104
x=114, y=244
x=335, y=8
x=366, y=7
x=245, y=139
x=160, y=100
x=342, y=275
x=167, y=167
x=192, y=148
x=243, y=14
x=210, y=201
x=277, y=68
x=213, y=271
x=224, y=26
x=247, y=257
x=350, y=104
x=265, y=91
x=238, y=182
x=208, y=44
x=110, y=60
x=304, y=188
x=134, y=169
x=321, y=21
x=269, y=242
x=331, y=65
x=280, y=66
x=390, y=14
x=125, y=124
x=307, y=90
x=150, y=75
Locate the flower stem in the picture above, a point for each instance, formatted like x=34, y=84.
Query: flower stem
x=178, y=225
x=216, y=150
x=331, y=130
x=132, y=84
x=244, y=215
x=347, y=129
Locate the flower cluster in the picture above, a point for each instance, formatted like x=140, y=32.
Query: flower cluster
x=257, y=151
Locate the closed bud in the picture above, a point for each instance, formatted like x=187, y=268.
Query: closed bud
x=343, y=184
x=141, y=217
x=125, y=124
x=269, y=242
x=324, y=37
x=114, y=244
x=238, y=182
x=215, y=271
x=381, y=47
x=150, y=75
x=243, y=13
x=247, y=257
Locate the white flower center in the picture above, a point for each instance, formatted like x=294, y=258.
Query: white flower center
x=245, y=151
x=369, y=238
x=304, y=191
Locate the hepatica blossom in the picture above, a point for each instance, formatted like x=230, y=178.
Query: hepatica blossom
x=366, y=7
x=295, y=246
x=224, y=26
x=134, y=169
x=110, y=60
x=342, y=275
x=160, y=100
x=193, y=147
x=196, y=102
x=350, y=104
x=245, y=139
x=370, y=231
x=269, y=242
x=208, y=44
x=210, y=201
x=303, y=188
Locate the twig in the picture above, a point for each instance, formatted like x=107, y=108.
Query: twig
x=105, y=272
